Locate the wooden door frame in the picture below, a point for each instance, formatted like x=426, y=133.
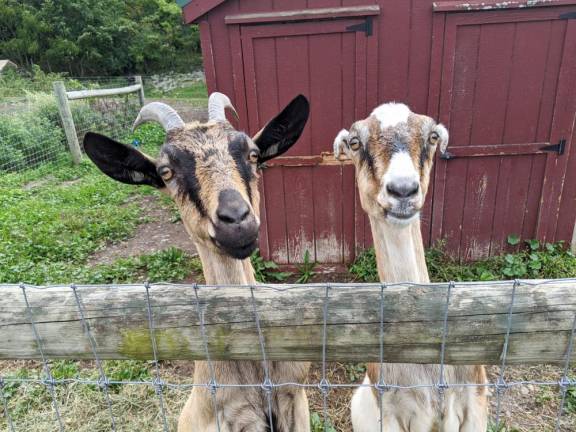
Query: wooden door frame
x=439, y=105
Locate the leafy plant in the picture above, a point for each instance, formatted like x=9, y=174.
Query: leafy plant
x=364, y=267
x=547, y=261
x=267, y=271
x=317, y=423
x=306, y=269
x=355, y=371
x=503, y=427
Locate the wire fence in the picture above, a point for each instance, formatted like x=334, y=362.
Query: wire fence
x=440, y=323
x=31, y=132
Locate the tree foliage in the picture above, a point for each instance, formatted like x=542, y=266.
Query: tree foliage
x=98, y=37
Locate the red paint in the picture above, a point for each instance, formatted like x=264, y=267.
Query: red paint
x=501, y=81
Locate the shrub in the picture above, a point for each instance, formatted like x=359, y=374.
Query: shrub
x=28, y=139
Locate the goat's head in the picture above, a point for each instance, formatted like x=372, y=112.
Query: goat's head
x=393, y=151
x=209, y=169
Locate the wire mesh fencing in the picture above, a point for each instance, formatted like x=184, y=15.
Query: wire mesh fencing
x=31, y=132
x=505, y=324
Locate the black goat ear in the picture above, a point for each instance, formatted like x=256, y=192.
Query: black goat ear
x=121, y=162
x=283, y=131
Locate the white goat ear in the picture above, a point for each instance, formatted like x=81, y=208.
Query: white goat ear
x=439, y=136
x=340, y=143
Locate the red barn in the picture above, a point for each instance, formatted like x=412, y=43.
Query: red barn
x=500, y=75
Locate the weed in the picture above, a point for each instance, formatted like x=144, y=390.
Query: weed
x=503, y=427
x=570, y=401
x=548, y=261
x=267, y=271
x=306, y=269
x=355, y=371
x=64, y=369
x=317, y=424
x=364, y=267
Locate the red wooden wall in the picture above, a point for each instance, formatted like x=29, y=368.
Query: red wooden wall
x=502, y=80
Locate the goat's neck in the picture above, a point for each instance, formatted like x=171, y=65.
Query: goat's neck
x=222, y=270
x=399, y=252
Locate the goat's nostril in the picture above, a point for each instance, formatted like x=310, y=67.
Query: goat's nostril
x=233, y=213
x=403, y=190
x=231, y=207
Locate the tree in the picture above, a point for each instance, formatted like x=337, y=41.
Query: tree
x=98, y=37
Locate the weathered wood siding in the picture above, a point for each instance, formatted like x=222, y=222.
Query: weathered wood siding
x=501, y=79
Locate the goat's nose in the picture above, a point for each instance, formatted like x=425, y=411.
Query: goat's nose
x=231, y=207
x=403, y=189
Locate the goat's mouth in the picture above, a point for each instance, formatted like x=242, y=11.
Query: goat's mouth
x=401, y=217
x=237, y=249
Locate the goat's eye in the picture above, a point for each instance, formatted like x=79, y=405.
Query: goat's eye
x=166, y=173
x=354, y=144
x=254, y=156
x=434, y=137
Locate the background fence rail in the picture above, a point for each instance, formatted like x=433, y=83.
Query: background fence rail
x=528, y=321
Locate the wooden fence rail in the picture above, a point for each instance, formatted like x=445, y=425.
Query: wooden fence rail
x=63, y=97
x=292, y=322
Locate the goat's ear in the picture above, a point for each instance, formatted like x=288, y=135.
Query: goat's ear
x=283, y=131
x=121, y=162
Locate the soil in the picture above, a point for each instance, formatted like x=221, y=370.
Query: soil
x=160, y=232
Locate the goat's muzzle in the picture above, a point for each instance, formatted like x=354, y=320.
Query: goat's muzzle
x=236, y=227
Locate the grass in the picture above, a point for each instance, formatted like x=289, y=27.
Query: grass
x=52, y=219
x=195, y=91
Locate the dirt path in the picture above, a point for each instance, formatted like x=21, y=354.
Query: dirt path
x=160, y=233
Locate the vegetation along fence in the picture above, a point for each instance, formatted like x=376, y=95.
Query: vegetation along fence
x=40, y=121
x=508, y=323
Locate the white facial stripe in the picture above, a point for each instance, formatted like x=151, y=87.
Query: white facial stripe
x=390, y=114
x=401, y=169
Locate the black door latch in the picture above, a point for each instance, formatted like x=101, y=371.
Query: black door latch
x=365, y=27
x=557, y=148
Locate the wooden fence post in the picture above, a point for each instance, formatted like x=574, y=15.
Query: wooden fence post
x=67, y=121
x=138, y=80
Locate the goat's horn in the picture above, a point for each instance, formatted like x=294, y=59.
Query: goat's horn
x=161, y=113
x=217, y=105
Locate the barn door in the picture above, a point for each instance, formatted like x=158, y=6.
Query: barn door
x=308, y=197
x=505, y=80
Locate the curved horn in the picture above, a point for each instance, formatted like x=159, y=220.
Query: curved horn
x=217, y=105
x=161, y=113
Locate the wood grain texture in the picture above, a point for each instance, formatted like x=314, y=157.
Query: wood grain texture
x=292, y=323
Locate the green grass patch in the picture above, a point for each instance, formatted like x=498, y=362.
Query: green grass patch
x=52, y=219
x=196, y=90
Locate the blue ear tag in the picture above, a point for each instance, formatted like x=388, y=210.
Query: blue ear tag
x=136, y=142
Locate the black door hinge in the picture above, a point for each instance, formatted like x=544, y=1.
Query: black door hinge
x=568, y=15
x=365, y=27
x=558, y=148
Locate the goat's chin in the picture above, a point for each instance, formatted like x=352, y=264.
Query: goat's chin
x=401, y=220
x=236, y=251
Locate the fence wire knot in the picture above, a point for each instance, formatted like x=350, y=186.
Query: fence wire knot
x=501, y=385
x=382, y=387
x=104, y=383
x=212, y=386
x=49, y=381
x=441, y=387
x=159, y=385
x=564, y=382
x=267, y=386
x=324, y=385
